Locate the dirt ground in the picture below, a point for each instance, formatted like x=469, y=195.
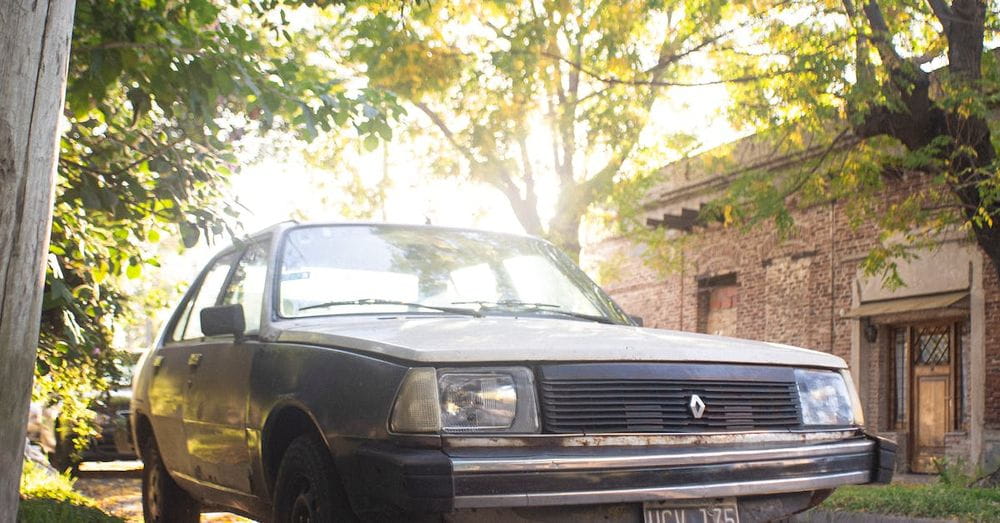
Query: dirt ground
x=115, y=486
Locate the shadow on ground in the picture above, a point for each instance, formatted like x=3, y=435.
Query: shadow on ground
x=115, y=486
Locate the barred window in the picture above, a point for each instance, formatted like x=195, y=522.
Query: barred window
x=900, y=378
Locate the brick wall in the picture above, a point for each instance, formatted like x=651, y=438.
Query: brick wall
x=792, y=291
x=991, y=290
x=785, y=291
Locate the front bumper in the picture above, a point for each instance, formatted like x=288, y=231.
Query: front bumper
x=441, y=481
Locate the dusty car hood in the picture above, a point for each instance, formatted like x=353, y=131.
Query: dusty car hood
x=508, y=339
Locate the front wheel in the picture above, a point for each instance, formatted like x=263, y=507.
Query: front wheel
x=162, y=499
x=308, y=489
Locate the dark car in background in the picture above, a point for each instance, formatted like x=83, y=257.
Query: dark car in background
x=112, y=443
x=328, y=372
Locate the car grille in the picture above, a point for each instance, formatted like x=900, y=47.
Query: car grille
x=592, y=405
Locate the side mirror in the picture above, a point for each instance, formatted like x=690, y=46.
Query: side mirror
x=225, y=319
x=635, y=319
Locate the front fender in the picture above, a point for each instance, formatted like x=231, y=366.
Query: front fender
x=347, y=396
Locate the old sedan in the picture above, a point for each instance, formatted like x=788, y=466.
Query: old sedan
x=343, y=371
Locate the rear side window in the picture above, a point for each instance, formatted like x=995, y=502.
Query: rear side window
x=247, y=284
x=189, y=325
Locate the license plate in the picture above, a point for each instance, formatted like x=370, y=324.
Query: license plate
x=698, y=511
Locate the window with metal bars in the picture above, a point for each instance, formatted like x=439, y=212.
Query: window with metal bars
x=899, y=378
x=932, y=345
x=961, y=331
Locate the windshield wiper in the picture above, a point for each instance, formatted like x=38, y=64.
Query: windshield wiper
x=546, y=308
x=376, y=301
x=508, y=304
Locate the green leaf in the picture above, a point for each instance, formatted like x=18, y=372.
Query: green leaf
x=153, y=90
x=189, y=234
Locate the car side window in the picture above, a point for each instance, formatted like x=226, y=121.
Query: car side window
x=189, y=325
x=247, y=284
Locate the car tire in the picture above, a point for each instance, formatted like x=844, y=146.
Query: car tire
x=162, y=499
x=308, y=488
x=64, y=457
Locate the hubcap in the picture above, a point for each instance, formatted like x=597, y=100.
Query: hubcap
x=153, y=493
x=304, y=508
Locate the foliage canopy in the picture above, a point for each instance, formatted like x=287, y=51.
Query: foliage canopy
x=859, y=92
x=159, y=95
x=529, y=95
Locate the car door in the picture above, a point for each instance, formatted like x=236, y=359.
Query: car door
x=170, y=375
x=217, y=400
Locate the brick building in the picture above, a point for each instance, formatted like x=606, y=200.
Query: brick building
x=925, y=357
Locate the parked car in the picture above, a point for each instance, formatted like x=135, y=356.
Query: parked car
x=112, y=443
x=327, y=372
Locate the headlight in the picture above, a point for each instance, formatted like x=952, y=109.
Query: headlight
x=498, y=399
x=824, y=398
x=477, y=401
x=859, y=415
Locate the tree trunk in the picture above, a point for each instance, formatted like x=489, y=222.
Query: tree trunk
x=968, y=155
x=970, y=161
x=968, y=151
x=34, y=53
x=564, y=230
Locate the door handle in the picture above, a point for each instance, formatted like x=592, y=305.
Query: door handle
x=194, y=360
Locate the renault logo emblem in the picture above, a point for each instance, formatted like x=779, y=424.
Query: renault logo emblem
x=697, y=406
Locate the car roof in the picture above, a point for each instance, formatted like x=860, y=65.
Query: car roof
x=295, y=224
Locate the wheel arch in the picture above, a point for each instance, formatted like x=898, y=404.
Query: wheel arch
x=142, y=428
x=284, y=423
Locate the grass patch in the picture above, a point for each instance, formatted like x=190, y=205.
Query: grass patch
x=928, y=501
x=42, y=510
x=47, y=497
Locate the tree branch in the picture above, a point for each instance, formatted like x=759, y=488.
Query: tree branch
x=567, y=115
x=943, y=13
x=554, y=126
x=448, y=134
x=660, y=83
x=529, y=173
x=602, y=181
x=107, y=46
x=674, y=58
x=881, y=35
x=82, y=167
x=147, y=156
x=965, y=39
x=866, y=76
x=493, y=173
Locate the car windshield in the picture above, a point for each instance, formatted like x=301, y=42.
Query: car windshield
x=373, y=269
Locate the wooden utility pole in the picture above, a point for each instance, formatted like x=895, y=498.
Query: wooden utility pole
x=34, y=53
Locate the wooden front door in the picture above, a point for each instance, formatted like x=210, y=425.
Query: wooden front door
x=933, y=354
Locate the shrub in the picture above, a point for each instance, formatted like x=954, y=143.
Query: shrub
x=48, y=497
